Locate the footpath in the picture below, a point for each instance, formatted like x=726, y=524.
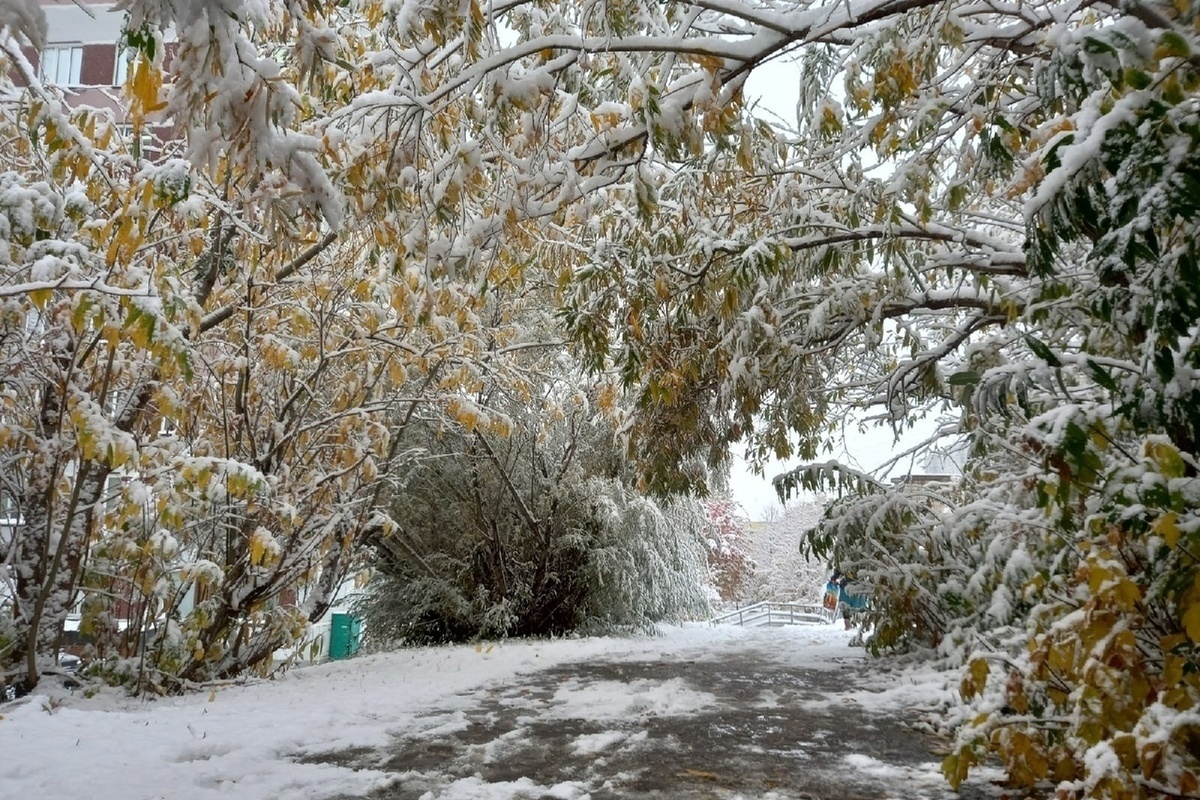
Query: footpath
x=741, y=727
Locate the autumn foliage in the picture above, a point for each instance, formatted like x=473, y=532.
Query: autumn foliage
x=731, y=569
x=216, y=350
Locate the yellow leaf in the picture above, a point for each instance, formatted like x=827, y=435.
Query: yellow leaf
x=1125, y=746
x=1127, y=593
x=145, y=85
x=257, y=550
x=1064, y=768
x=1178, y=699
x=956, y=767
x=1188, y=783
x=212, y=696
x=1060, y=658
x=1150, y=757
x=40, y=298
x=1168, y=643
x=1097, y=577
x=1166, y=527
x=1167, y=457
x=979, y=672
x=1191, y=622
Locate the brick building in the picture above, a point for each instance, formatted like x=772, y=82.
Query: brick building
x=84, y=54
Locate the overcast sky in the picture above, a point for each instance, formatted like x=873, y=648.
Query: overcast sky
x=776, y=85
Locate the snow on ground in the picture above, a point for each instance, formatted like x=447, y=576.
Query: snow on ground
x=243, y=741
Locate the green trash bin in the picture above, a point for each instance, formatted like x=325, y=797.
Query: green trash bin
x=345, y=631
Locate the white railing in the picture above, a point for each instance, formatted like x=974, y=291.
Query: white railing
x=769, y=613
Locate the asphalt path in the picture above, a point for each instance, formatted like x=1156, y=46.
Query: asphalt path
x=772, y=732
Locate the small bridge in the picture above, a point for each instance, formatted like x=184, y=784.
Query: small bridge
x=776, y=614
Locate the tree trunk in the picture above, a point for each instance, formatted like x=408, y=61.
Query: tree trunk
x=50, y=551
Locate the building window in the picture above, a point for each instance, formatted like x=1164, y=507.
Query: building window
x=121, y=70
x=144, y=146
x=61, y=65
x=114, y=484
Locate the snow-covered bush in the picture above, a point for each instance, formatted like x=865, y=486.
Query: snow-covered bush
x=528, y=534
x=648, y=563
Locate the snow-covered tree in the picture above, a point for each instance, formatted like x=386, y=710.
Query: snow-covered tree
x=987, y=212
x=203, y=352
x=987, y=216
x=731, y=569
x=532, y=531
x=782, y=569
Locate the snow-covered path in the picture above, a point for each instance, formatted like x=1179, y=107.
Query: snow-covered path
x=474, y=722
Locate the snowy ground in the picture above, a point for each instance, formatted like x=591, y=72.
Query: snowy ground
x=287, y=738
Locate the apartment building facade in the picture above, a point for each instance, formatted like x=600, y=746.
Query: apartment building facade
x=83, y=54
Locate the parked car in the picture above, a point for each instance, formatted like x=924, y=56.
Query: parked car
x=68, y=662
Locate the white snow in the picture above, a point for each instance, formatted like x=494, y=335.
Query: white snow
x=590, y=743
x=610, y=701
x=245, y=741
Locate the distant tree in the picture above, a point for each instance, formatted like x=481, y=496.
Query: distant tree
x=783, y=571
x=730, y=567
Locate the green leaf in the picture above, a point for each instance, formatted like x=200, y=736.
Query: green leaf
x=1137, y=79
x=1093, y=45
x=1101, y=376
x=963, y=379
x=1075, y=441
x=1052, y=161
x=1164, y=363
x=1042, y=351
x=1172, y=44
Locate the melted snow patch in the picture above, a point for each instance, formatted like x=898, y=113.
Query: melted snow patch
x=923, y=781
x=475, y=788
x=592, y=743
x=615, y=700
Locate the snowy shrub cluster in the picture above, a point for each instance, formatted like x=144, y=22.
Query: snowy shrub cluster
x=532, y=534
